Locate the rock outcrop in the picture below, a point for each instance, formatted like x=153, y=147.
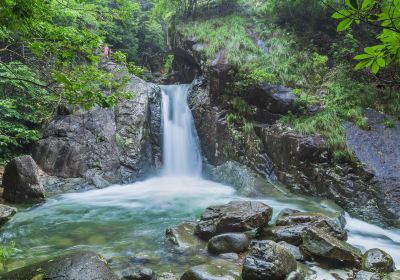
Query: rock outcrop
x=106, y=145
x=236, y=216
x=77, y=266
x=21, y=181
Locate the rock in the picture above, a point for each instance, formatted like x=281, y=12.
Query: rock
x=268, y=260
x=217, y=270
x=6, y=212
x=289, y=234
x=236, y=216
x=183, y=236
x=376, y=260
x=167, y=276
x=138, y=274
x=228, y=243
x=295, y=275
x=318, y=243
x=286, y=212
x=275, y=99
x=77, y=266
x=393, y=276
x=21, y=181
x=294, y=250
x=365, y=275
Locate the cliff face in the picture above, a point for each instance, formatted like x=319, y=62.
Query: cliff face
x=273, y=150
x=106, y=145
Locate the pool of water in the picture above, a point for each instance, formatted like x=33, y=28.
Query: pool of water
x=127, y=223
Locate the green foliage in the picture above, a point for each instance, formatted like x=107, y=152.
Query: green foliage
x=382, y=14
x=6, y=251
x=389, y=123
x=168, y=63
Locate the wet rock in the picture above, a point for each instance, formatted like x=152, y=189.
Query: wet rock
x=182, y=235
x=286, y=212
x=138, y=274
x=318, y=243
x=294, y=250
x=228, y=243
x=236, y=216
x=21, y=181
x=393, y=276
x=77, y=266
x=6, y=212
x=167, y=276
x=217, y=270
x=268, y=260
x=366, y=275
x=295, y=275
x=289, y=234
x=376, y=260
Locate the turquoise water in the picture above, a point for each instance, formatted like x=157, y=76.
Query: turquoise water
x=127, y=223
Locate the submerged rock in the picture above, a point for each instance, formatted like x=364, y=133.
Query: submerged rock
x=6, y=212
x=318, y=243
x=268, y=260
x=236, y=216
x=167, y=276
x=77, y=266
x=376, y=260
x=138, y=274
x=217, y=270
x=228, y=243
x=366, y=275
x=183, y=236
x=21, y=181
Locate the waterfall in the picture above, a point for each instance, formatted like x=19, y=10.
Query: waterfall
x=181, y=151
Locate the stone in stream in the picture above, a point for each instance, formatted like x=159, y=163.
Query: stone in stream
x=182, y=235
x=138, y=274
x=167, y=276
x=289, y=234
x=295, y=275
x=77, y=266
x=366, y=275
x=217, y=270
x=294, y=250
x=6, y=212
x=236, y=216
x=268, y=260
x=318, y=243
x=21, y=181
x=376, y=260
x=228, y=243
x=393, y=276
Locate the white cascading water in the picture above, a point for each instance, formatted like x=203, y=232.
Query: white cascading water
x=181, y=152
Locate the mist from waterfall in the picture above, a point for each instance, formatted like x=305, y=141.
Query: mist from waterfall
x=181, y=150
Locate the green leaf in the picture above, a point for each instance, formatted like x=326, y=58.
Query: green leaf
x=352, y=4
x=344, y=24
x=375, y=68
x=363, y=56
x=342, y=14
x=367, y=4
x=361, y=65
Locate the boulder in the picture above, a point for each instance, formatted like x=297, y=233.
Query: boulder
x=376, y=260
x=318, y=243
x=268, y=260
x=294, y=250
x=228, y=243
x=182, y=235
x=167, y=276
x=236, y=216
x=217, y=270
x=21, y=181
x=393, y=276
x=366, y=275
x=138, y=274
x=6, y=212
x=289, y=234
x=77, y=266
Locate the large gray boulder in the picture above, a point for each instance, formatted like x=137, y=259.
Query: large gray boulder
x=376, y=260
x=236, y=216
x=76, y=266
x=268, y=260
x=21, y=181
x=6, y=212
x=318, y=243
x=228, y=243
x=103, y=145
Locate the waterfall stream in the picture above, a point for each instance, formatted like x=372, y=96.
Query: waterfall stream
x=126, y=223
x=181, y=152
